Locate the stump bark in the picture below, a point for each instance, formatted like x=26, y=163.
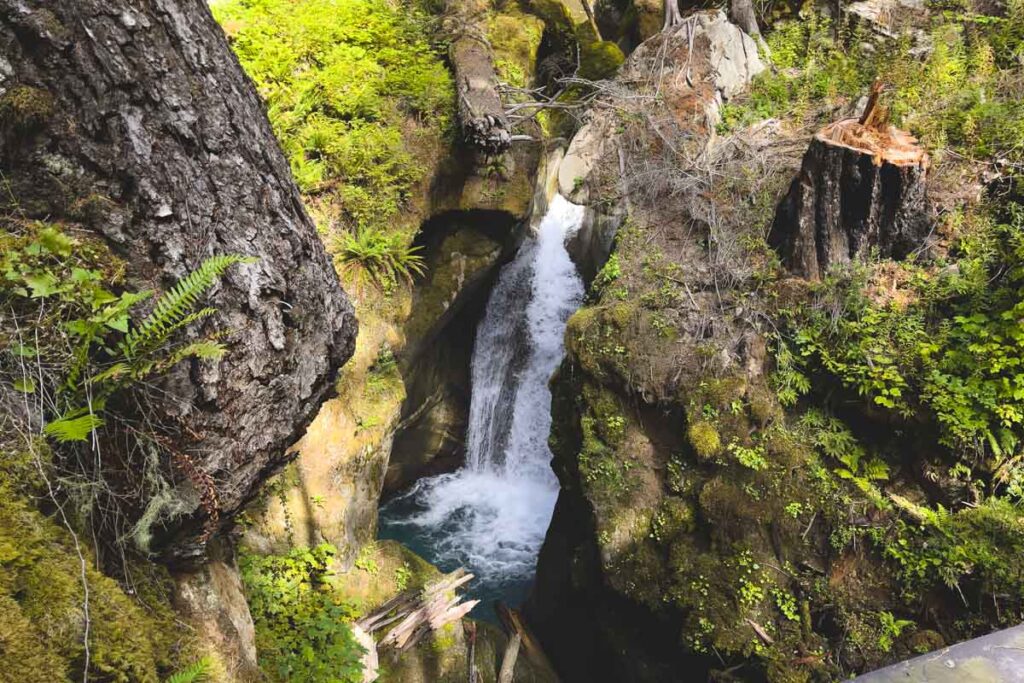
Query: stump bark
x=860, y=187
x=145, y=130
x=481, y=114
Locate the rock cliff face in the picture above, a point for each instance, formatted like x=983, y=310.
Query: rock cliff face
x=147, y=131
x=702, y=526
x=404, y=397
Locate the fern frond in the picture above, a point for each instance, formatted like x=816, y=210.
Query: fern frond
x=172, y=310
x=196, y=672
x=206, y=350
x=73, y=428
x=115, y=371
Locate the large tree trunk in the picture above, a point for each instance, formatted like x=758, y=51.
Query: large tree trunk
x=481, y=114
x=741, y=12
x=860, y=187
x=143, y=127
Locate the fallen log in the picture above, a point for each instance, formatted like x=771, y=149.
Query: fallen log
x=508, y=661
x=481, y=115
x=861, y=186
x=514, y=626
x=471, y=671
x=417, y=612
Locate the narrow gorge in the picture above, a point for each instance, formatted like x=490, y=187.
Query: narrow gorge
x=511, y=341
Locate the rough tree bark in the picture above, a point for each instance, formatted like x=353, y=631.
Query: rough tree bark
x=860, y=187
x=144, y=128
x=481, y=115
x=741, y=12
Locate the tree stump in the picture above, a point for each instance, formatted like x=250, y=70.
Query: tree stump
x=861, y=187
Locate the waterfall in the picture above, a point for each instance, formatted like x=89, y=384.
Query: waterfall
x=491, y=515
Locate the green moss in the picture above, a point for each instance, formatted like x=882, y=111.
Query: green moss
x=704, y=437
x=674, y=517
x=42, y=596
x=356, y=93
x=515, y=38
x=24, y=108
x=600, y=59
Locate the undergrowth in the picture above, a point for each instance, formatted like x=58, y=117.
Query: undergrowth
x=358, y=96
x=72, y=349
x=962, y=93
x=303, y=630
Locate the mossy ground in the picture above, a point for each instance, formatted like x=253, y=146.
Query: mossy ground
x=133, y=635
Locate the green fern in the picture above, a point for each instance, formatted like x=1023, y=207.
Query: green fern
x=173, y=309
x=74, y=426
x=141, y=353
x=385, y=258
x=199, y=671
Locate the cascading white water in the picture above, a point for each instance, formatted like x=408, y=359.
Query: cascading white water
x=491, y=515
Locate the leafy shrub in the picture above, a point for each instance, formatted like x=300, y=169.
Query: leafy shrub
x=302, y=629
x=965, y=94
x=956, y=349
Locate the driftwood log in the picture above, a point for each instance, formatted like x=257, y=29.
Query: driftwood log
x=514, y=626
x=481, y=114
x=861, y=187
x=418, y=612
x=508, y=660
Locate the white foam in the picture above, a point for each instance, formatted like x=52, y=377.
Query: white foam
x=492, y=514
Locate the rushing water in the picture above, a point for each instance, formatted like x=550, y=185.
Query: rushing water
x=491, y=515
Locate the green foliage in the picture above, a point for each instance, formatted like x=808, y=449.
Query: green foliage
x=402, y=576
x=891, y=629
x=750, y=457
x=88, y=336
x=971, y=551
x=197, y=672
x=835, y=440
x=352, y=86
x=964, y=95
x=609, y=273
x=385, y=258
x=303, y=630
x=366, y=561
x=956, y=349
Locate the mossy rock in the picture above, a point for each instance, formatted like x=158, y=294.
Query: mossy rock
x=705, y=439
x=515, y=38
x=42, y=617
x=600, y=59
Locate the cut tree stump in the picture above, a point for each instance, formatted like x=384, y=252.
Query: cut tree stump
x=861, y=187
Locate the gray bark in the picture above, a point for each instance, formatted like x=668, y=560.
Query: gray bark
x=673, y=17
x=846, y=201
x=741, y=12
x=153, y=137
